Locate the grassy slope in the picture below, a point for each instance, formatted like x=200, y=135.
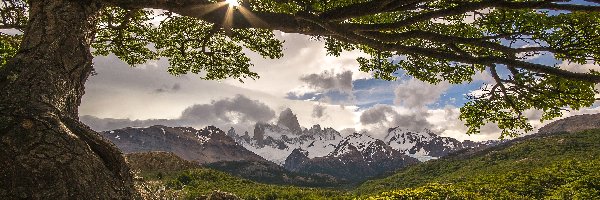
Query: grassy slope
x=193, y=183
x=547, y=166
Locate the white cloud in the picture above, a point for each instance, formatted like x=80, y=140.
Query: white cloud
x=414, y=93
x=574, y=67
x=302, y=56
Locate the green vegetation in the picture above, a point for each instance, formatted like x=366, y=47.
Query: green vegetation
x=193, y=183
x=8, y=47
x=557, y=166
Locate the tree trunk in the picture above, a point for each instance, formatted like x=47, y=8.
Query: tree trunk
x=45, y=151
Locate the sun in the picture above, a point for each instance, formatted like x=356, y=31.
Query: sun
x=233, y=3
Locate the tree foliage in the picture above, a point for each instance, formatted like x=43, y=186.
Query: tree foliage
x=432, y=40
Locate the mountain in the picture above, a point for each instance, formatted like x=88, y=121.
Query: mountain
x=557, y=165
x=210, y=147
x=427, y=145
x=352, y=158
x=356, y=158
x=276, y=143
x=206, y=145
x=288, y=119
x=573, y=124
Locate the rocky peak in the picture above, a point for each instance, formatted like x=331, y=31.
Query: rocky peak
x=287, y=119
x=296, y=159
x=231, y=132
x=315, y=129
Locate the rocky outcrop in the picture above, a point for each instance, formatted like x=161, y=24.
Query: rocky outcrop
x=287, y=119
x=296, y=160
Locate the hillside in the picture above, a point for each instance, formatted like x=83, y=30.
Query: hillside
x=559, y=165
x=271, y=173
x=198, y=183
x=158, y=163
x=206, y=145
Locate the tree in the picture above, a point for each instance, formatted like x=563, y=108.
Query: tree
x=45, y=152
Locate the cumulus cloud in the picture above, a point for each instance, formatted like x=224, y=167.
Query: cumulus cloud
x=318, y=111
x=446, y=123
x=377, y=114
x=238, y=111
x=574, y=67
x=329, y=81
x=414, y=93
x=410, y=112
x=379, y=118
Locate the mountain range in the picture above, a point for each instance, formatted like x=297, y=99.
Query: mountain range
x=559, y=163
x=206, y=145
x=316, y=154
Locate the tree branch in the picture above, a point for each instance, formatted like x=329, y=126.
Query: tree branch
x=470, y=7
x=215, y=13
x=368, y=8
x=504, y=91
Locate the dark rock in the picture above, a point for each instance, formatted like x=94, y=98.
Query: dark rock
x=296, y=160
x=289, y=120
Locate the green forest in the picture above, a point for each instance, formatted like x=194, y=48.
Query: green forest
x=548, y=166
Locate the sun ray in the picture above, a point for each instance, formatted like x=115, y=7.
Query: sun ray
x=233, y=3
x=254, y=20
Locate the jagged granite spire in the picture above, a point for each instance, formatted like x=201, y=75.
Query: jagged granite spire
x=289, y=120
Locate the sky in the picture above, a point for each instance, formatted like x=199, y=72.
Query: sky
x=319, y=89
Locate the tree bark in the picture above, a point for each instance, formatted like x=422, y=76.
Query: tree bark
x=45, y=152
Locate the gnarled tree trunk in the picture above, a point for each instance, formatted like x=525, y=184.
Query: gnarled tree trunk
x=45, y=152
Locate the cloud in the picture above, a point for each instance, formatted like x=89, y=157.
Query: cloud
x=410, y=111
x=414, y=93
x=377, y=114
x=579, y=68
x=164, y=89
x=238, y=111
x=318, y=111
x=379, y=118
x=329, y=81
x=326, y=87
x=412, y=121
